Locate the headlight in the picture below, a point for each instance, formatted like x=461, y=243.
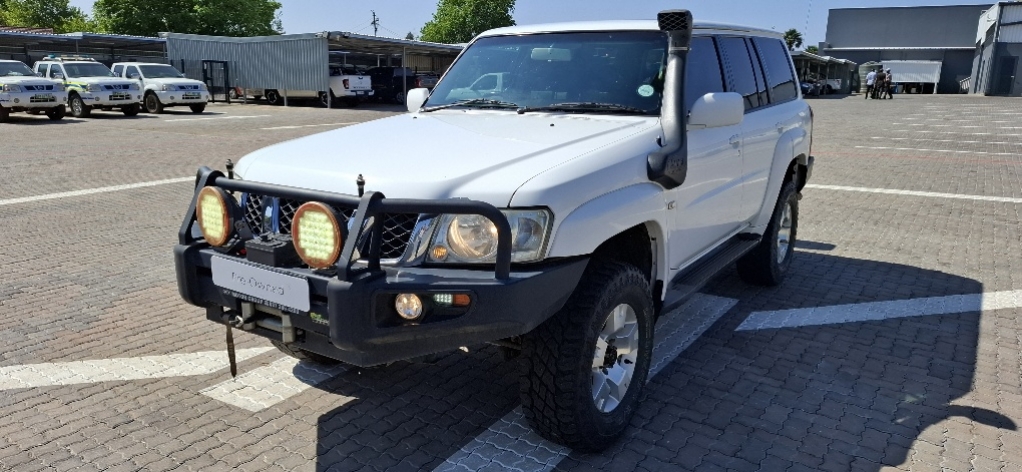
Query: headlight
x=317, y=235
x=12, y=88
x=473, y=238
x=203, y=87
x=213, y=215
x=94, y=88
x=169, y=88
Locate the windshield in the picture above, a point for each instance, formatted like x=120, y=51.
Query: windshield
x=15, y=69
x=87, y=69
x=160, y=72
x=618, y=70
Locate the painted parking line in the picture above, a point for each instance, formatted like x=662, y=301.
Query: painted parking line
x=112, y=370
x=266, y=386
x=93, y=191
x=915, y=193
x=957, y=121
x=308, y=126
x=949, y=151
x=510, y=444
x=239, y=117
x=932, y=140
x=879, y=311
x=950, y=132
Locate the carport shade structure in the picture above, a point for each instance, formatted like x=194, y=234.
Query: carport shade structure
x=105, y=48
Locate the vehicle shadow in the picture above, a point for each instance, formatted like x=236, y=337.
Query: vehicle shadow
x=29, y=120
x=854, y=395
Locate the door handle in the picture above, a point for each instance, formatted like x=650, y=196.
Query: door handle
x=733, y=140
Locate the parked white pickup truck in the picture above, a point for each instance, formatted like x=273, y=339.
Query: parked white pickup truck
x=164, y=86
x=21, y=90
x=347, y=86
x=611, y=171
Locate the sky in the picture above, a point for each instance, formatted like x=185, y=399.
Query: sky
x=399, y=17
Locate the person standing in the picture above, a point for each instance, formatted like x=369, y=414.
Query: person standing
x=878, y=84
x=888, y=92
x=871, y=78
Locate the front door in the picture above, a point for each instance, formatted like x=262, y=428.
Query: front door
x=1006, y=75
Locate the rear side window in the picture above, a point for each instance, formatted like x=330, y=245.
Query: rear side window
x=779, y=77
x=761, y=86
x=740, y=71
x=702, y=73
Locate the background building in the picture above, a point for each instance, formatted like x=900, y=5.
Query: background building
x=940, y=34
x=996, y=68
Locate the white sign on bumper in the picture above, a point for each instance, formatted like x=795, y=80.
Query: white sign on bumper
x=261, y=284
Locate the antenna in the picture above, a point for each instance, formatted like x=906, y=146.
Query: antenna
x=375, y=23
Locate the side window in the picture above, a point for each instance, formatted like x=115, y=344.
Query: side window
x=40, y=69
x=133, y=70
x=764, y=97
x=118, y=69
x=702, y=73
x=740, y=71
x=55, y=69
x=779, y=77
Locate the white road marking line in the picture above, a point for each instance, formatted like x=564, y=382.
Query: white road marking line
x=947, y=140
x=950, y=132
x=951, y=151
x=951, y=126
x=308, y=126
x=239, y=117
x=92, y=191
x=266, y=386
x=112, y=370
x=879, y=311
x=955, y=121
x=914, y=193
x=675, y=332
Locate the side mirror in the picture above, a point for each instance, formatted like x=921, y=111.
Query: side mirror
x=58, y=76
x=715, y=110
x=415, y=99
x=38, y=74
x=133, y=76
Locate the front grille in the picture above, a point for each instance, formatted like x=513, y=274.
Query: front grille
x=37, y=88
x=188, y=87
x=397, y=228
x=120, y=96
x=38, y=99
x=116, y=87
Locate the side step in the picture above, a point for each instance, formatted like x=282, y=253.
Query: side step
x=688, y=282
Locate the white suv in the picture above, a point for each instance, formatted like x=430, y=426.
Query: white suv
x=164, y=86
x=91, y=85
x=608, y=174
x=21, y=90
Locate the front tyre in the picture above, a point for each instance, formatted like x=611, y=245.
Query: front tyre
x=583, y=369
x=153, y=104
x=132, y=110
x=56, y=113
x=198, y=108
x=78, y=107
x=768, y=263
x=273, y=97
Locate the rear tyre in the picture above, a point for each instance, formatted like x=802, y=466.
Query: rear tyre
x=56, y=113
x=399, y=98
x=583, y=370
x=132, y=110
x=198, y=108
x=273, y=98
x=153, y=104
x=768, y=263
x=78, y=107
x=304, y=355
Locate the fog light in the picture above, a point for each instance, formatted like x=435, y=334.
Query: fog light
x=439, y=253
x=172, y=97
x=409, y=306
x=212, y=215
x=17, y=100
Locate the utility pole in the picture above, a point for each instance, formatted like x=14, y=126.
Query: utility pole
x=376, y=23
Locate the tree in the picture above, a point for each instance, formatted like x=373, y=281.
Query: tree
x=212, y=17
x=793, y=38
x=458, y=21
x=58, y=15
x=813, y=50
x=410, y=36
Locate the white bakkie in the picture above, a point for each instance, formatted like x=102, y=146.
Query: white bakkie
x=90, y=85
x=567, y=184
x=22, y=90
x=164, y=86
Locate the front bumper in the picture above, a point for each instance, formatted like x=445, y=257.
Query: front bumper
x=103, y=99
x=33, y=100
x=177, y=97
x=351, y=315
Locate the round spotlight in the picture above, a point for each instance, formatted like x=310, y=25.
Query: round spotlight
x=317, y=235
x=408, y=306
x=213, y=216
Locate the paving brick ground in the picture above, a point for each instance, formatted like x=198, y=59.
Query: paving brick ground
x=91, y=277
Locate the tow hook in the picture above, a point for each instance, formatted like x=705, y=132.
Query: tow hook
x=237, y=321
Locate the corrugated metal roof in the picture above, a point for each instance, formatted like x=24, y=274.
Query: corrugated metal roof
x=360, y=43
x=284, y=62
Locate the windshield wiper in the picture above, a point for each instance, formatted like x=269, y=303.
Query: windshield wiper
x=473, y=101
x=585, y=106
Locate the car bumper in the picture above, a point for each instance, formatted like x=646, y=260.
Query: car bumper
x=348, y=312
x=176, y=97
x=31, y=100
x=103, y=99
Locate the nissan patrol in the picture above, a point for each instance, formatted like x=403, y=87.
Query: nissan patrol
x=91, y=85
x=21, y=90
x=164, y=86
x=609, y=173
